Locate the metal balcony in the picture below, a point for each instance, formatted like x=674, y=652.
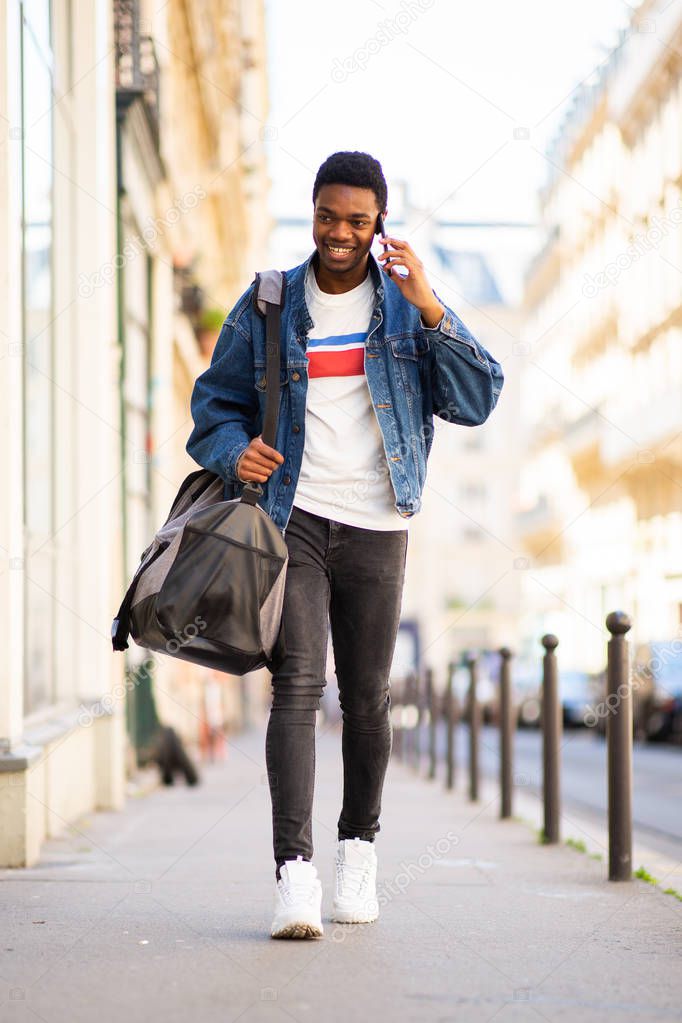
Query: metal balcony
x=137, y=69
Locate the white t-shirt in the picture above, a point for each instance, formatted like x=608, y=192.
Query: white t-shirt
x=344, y=474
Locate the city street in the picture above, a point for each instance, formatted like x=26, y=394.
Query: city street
x=657, y=777
x=163, y=911
x=293, y=410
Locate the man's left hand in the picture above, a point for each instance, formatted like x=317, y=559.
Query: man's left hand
x=415, y=286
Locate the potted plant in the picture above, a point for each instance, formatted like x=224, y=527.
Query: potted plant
x=210, y=322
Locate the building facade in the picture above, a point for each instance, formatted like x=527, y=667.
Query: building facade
x=601, y=484
x=131, y=180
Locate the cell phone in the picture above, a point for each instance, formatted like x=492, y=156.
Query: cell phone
x=381, y=231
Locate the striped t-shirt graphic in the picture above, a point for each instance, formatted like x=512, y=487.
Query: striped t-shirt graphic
x=344, y=474
x=340, y=356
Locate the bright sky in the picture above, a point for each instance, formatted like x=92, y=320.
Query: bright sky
x=434, y=89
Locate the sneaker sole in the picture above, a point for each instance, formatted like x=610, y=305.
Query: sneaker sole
x=349, y=916
x=298, y=930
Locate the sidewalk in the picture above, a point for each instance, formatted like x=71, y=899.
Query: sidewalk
x=162, y=913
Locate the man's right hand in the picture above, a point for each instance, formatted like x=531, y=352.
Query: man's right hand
x=257, y=462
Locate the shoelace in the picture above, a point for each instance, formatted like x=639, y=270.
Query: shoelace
x=297, y=891
x=357, y=875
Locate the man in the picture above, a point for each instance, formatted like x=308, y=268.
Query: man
x=369, y=355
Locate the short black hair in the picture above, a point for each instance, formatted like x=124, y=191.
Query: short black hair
x=352, y=168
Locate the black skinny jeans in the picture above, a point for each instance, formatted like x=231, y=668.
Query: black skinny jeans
x=350, y=578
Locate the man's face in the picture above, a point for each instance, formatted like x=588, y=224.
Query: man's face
x=344, y=223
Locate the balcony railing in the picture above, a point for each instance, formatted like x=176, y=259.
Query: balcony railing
x=137, y=69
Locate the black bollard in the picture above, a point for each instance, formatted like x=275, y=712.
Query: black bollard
x=619, y=747
x=450, y=722
x=474, y=726
x=551, y=739
x=394, y=714
x=506, y=734
x=405, y=745
x=400, y=730
x=417, y=704
x=408, y=731
x=433, y=716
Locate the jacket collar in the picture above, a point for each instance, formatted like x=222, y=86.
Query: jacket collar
x=296, y=281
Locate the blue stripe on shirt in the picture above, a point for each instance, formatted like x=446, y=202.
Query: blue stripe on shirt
x=337, y=339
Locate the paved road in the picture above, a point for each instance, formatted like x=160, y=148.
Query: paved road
x=161, y=914
x=657, y=777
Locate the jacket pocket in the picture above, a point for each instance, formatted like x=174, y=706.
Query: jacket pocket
x=260, y=377
x=409, y=351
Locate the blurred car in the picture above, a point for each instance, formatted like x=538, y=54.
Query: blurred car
x=579, y=696
x=529, y=713
x=648, y=699
x=487, y=685
x=525, y=683
x=657, y=686
x=526, y=690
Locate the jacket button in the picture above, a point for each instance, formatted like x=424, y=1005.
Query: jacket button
x=295, y=375
x=286, y=481
x=296, y=428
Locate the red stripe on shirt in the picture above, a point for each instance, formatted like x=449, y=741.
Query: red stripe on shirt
x=348, y=363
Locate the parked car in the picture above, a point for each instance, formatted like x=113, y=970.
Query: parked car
x=648, y=698
x=487, y=686
x=578, y=695
x=657, y=686
x=526, y=690
x=525, y=683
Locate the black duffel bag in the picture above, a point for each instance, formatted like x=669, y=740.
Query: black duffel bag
x=210, y=587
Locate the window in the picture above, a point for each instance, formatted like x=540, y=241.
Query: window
x=38, y=312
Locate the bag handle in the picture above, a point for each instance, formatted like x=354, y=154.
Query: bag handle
x=268, y=298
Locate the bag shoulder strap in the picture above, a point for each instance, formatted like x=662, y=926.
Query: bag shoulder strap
x=270, y=286
x=268, y=299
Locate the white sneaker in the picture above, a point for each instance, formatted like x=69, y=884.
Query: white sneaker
x=298, y=906
x=355, y=895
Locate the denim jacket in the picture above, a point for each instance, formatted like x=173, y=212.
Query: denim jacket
x=413, y=373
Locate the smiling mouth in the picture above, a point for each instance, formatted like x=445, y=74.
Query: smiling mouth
x=339, y=251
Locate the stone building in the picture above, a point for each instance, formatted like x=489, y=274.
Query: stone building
x=132, y=213
x=602, y=479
